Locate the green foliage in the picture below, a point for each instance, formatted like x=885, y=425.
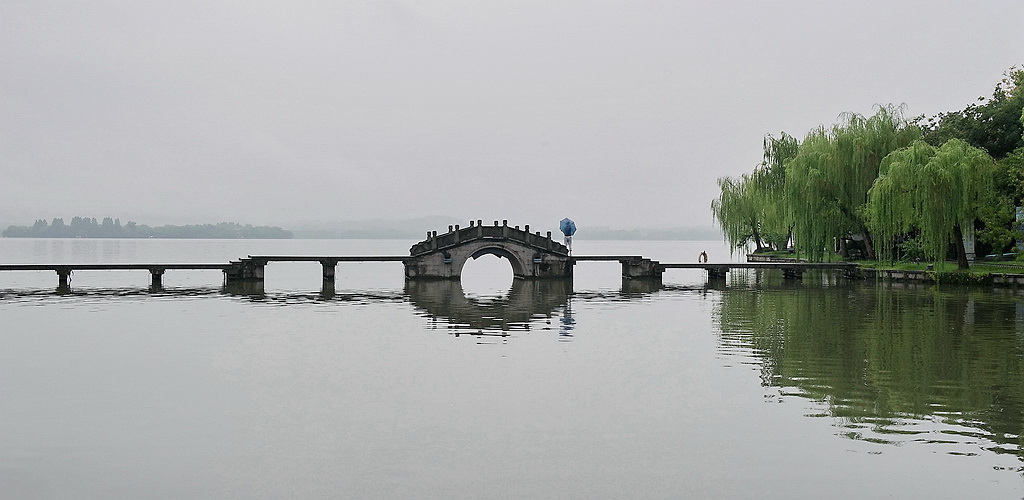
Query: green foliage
x=827, y=181
x=770, y=181
x=910, y=250
x=960, y=278
x=933, y=191
x=816, y=191
x=1009, y=177
x=736, y=211
x=893, y=209
x=998, y=232
x=995, y=124
x=751, y=208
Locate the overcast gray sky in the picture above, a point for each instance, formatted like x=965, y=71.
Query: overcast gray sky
x=614, y=113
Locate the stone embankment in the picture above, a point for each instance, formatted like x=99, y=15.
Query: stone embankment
x=982, y=278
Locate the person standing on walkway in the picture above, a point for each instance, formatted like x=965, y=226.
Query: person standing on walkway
x=568, y=228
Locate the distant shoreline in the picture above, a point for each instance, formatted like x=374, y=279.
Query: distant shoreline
x=85, y=227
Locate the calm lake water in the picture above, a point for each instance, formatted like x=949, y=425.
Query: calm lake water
x=493, y=388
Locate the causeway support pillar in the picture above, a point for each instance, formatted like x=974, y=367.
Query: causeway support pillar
x=256, y=270
x=327, y=290
x=641, y=286
x=330, y=266
x=791, y=273
x=247, y=288
x=244, y=270
x=63, y=278
x=641, y=268
x=156, y=278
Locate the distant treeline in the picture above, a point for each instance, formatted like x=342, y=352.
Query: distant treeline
x=86, y=227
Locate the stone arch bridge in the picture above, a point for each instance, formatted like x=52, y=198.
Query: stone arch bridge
x=531, y=255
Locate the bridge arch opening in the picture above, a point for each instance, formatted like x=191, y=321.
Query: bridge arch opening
x=488, y=275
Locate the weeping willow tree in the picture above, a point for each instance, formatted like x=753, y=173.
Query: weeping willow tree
x=770, y=177
x=751, y=208
x=891, y=210
x=938, y=192
x=828, y=179
x=737, y=212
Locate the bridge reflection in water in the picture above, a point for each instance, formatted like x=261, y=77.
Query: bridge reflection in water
x=445, y=302
x=527, y=305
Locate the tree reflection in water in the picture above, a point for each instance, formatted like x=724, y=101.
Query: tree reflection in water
x=891, y=364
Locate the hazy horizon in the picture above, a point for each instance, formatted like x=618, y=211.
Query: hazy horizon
x=415, y=228
x=614, y=114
